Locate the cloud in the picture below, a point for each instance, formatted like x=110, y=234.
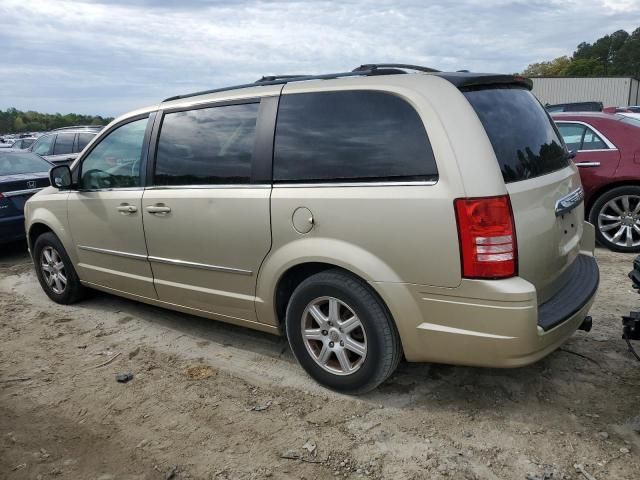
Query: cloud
x=107, y=57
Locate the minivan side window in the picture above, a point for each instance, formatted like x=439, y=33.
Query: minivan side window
x=207, y=146
x=115, y=161
x=64, y=143
x=350, y=136
x=43, y=145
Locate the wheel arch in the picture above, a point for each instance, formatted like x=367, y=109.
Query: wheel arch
x=287, y=267
x=593, y=198
x=35, y=230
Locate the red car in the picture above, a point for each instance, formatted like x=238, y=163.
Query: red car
x=608, y=155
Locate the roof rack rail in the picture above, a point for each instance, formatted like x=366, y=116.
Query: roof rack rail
x=271, y=78
x=362, y=70
x=404, y=66
x=278, y=80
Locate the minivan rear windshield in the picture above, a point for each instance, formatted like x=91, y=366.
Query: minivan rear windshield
x=525, y=141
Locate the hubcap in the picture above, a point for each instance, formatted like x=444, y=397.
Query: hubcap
x=619, y=221
x=53, y=270
x=334, y=336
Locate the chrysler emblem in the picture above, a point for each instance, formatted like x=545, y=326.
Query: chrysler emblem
x=31, y=184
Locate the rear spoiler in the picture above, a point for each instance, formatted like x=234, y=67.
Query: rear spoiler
x=471, y=81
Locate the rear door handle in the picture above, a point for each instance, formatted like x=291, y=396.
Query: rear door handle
x=127, y=209
x=157, y=209
x=587, y=164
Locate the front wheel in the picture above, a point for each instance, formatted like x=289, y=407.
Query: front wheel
x=55, y=271
x=341, y=333
x=616, y=216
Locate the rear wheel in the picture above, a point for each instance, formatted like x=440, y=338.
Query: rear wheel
x=341, y=333
x=55, y=271
x=616, y=216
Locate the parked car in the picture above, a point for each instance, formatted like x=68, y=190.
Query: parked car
x=23, y=143
x=608, y=154
x=61, y=146
x=21, y=175
x=367, y=215
x=575, y=107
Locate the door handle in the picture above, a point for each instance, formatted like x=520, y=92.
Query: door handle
x=157, y=209
x=127, y=209
x=587, y=164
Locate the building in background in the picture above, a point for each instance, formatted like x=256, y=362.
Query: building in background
x=611, y=91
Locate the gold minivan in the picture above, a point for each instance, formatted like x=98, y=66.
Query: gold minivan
x=393, y=211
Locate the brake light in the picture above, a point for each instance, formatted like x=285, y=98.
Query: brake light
x=487, y=237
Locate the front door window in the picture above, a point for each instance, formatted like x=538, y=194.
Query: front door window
x=115, y=161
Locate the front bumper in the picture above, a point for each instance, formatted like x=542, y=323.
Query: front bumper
x=489, y=323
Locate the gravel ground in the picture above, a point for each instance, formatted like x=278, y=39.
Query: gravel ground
x=213, y=401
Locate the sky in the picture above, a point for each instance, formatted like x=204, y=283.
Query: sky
x=107, y=57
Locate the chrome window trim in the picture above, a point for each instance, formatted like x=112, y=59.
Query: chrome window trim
x=204, y=266
x=168, y=261
x=204, y=187
x=596, y=131
x=117, y=253
x=15, y=193
x=120, y=189
x=355, y=184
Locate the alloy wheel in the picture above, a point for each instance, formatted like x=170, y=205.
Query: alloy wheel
x=334, y=335
x=619, y=221
x=53, y=270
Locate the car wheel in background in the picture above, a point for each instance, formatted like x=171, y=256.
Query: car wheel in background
x=616, y=216
x=55, y=271
x=341, y=333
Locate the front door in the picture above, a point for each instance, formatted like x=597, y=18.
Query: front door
x=105, y=213
x=206, y=217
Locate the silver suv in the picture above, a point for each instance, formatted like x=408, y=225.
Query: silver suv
x=367, y=215
x=62, y=145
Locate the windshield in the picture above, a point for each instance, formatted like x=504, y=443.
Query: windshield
x=14, y=163
x=524, y=138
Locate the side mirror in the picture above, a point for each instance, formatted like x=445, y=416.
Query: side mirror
x=60, y=177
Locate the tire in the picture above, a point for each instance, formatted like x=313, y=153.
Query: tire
x=48, y=253
x=337, y=297
x=614, y=223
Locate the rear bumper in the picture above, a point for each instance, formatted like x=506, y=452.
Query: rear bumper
x=487, y=323
x=12, y=228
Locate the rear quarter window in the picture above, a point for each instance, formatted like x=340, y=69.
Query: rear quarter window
x=523, y=137
x=350, y=136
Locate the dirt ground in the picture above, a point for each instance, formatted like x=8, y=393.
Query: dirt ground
x=212, y=401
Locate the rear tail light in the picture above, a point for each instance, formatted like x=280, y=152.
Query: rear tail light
x=487, y=237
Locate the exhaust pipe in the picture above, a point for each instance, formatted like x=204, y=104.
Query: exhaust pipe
x=586, y=324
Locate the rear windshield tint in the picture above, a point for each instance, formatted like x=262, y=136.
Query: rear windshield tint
x=523, y=136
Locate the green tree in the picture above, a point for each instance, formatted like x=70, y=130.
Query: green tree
x=18, y=125
x=614, y=54
x=556, y=67
x=13, y=121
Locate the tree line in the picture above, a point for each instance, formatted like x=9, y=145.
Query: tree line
x=617, y=54
x=16, y=121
